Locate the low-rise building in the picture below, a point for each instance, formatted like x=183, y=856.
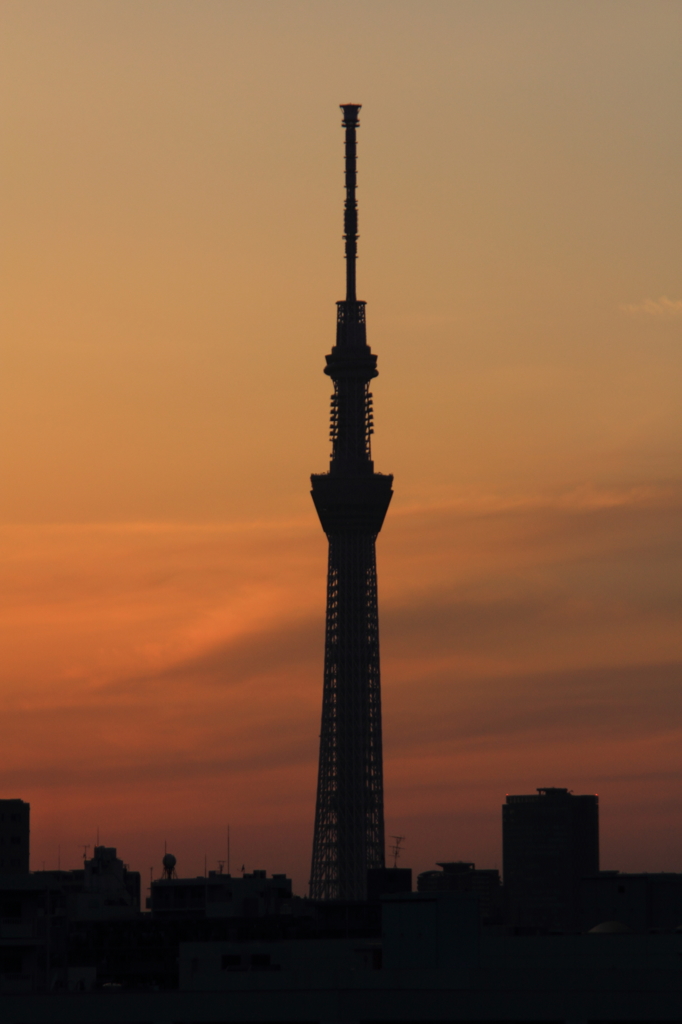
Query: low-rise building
x=464, y=877
x=220, y=895
x=104, y=888
x=646, y=902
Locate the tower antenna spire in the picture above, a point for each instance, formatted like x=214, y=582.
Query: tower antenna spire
x=350, y=211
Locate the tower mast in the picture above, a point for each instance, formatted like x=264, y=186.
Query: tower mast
x=351, y=501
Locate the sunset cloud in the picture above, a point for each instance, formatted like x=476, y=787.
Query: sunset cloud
x=663, y=308
x=178, y=669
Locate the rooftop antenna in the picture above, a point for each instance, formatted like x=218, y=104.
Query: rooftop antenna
x=396, y=849
x=228, y=849
x=86, y=847
x=221, y=865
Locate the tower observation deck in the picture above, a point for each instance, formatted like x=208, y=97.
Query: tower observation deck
x=351, y=501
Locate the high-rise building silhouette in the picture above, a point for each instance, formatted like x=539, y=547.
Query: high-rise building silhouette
x=550, y=841
x=351, y=501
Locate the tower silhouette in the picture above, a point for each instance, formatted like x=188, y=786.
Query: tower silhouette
x=351, y=501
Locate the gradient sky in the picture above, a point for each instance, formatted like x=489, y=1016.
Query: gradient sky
x=171, y=209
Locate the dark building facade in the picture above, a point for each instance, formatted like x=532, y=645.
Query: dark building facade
x=351, y=501
x=14, y=837
x=550, y=842
x=218, y=895
x=43, y=913
x=643, y=903
x=33, y=934
x=465, y=877
x=388, y=881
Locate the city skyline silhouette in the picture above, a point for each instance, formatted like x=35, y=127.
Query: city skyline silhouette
x=171, y=229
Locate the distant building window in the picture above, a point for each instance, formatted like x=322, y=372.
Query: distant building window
x=230, y=960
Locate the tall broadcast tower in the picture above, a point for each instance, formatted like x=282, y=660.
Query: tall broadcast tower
x=351, y=501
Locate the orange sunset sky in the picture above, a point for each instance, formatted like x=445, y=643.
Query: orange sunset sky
x=171, y=209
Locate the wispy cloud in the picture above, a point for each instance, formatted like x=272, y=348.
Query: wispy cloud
x=523, y=640
x=663, y=308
